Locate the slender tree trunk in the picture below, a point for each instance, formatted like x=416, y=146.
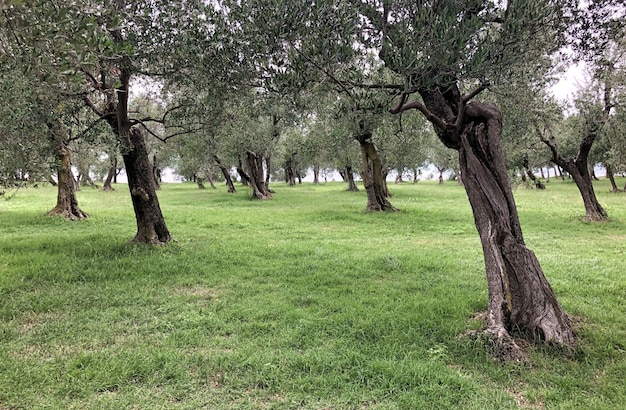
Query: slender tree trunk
x=373, y=179
x=268, y=172
x=156, y=172
x=111, y=174
x=611, y=176
x=579, y=170
x=349, y=178
x=67, y=204
x=531, y=175
x=151, y=227
x=226, y=173
x=245, y=178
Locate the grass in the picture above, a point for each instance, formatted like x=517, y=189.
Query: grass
x=301, y=302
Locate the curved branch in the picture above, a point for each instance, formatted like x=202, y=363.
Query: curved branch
x=416, y=105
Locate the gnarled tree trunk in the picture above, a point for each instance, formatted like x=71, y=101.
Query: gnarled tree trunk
x=611, y=176
x=373, y=179
x=520, y=298
x=578, y=168
x=67, y=204
x=531, y=175
x=254, y=165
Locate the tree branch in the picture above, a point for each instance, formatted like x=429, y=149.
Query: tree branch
x=416, y=105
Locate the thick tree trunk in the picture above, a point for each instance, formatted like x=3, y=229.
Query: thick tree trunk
x=111, y=174
x=349, y=178
x=151, y=226
x=520, y=298
x=67, y=204
x=255, y=173
x=226, y=173
x=373, y=180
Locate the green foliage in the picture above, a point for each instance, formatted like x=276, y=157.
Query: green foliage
x=304, y=301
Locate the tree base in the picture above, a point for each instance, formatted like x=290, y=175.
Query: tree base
x=68, y=214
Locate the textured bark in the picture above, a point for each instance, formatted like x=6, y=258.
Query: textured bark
x=578, y=168
x=373, y=179
x=521, y=300
x=316, y=173
x=151, y=228
x=67, y=204
x=520, y=297
x=156, y=172
x=245, y=178
x=254, y=168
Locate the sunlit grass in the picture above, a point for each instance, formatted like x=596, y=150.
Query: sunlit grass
x=303, y=301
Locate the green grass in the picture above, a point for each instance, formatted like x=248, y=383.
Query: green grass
x=300, y=302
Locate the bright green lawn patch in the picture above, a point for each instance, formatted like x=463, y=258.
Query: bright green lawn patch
x=300, y=302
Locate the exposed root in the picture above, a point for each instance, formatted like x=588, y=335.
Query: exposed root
x=68, y=214
x=502, y=347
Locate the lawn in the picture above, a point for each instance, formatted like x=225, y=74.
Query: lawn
x=303, y=301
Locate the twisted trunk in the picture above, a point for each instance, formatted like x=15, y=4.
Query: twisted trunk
x=373, y=179
x=520, y=298
x=254, y=164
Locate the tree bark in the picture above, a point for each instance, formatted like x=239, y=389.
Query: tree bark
x=578, y=168
x=226, y=173
x=254, y=164
x=316, y=173
x=151, y=227
x=111, y=174
x=520, y=298
x=156, y=172
x=531, y=175
x=67, y=204
x=373, y=179
x=611, y=176
x=349, y=178
x=245, y=178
